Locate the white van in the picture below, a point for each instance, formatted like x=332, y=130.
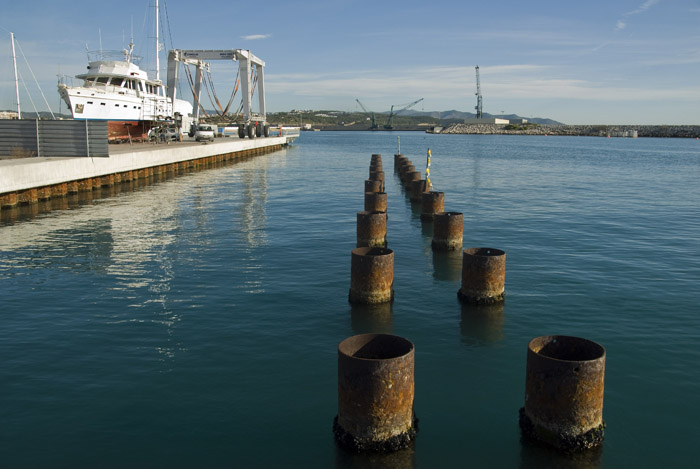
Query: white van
x=204, y=132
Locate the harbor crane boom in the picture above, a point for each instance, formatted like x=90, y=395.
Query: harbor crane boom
x=479, y=114
x=374, y=125
x=388, y=125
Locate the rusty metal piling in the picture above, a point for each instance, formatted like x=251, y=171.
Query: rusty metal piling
x=376, y=201
x=431, y=203
x=371, y=229
x=448, y=228
x=375, y=393
x=564, y=392
x=483, y=276
x=372, y=275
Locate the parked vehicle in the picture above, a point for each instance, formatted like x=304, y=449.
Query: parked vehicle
x=204, y=132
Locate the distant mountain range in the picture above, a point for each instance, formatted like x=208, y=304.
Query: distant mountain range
x=454, y=115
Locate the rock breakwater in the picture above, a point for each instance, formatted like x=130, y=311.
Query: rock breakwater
x=659, y=131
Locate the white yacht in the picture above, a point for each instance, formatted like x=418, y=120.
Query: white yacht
x=119, y=92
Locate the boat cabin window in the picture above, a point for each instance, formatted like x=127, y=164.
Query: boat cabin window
x=116, y=81
x=140, y=87
x=102, y=80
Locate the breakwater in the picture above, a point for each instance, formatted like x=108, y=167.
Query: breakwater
x=658, y=131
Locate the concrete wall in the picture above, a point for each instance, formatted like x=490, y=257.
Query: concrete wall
x=18, y=176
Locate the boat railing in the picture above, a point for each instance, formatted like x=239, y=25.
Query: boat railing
x=115, y=55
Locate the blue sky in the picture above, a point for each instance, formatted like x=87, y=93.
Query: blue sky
x=595, y=62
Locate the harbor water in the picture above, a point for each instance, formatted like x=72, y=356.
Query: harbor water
x=194, y=322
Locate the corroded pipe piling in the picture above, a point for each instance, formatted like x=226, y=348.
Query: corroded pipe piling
x=377, y=176
x=397, y=159
x=372, y=275
x=431, y=203
x=400, y=162
x=417, y=189
x=407, y=169
x=371, y=229
x=404, y=166
x=374, y=168
x=410, y=177
x=373, y=186
x=448, y=228
x=483, y=276
x=376, y=201
x=375, y=393
x=376, y=157
x=564, y=392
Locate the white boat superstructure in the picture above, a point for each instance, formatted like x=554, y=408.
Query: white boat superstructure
x=118, y=90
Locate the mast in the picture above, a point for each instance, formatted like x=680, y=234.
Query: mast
x=14, y=63
x=157, y=45
x=479, y=113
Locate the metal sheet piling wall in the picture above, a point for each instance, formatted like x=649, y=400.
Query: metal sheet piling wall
x=53, y=138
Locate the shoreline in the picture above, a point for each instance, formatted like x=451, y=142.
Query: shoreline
x=655, y=131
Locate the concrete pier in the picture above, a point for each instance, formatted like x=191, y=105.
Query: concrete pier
x=28, y=180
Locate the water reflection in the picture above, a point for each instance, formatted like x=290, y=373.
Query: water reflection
x=447, y=265
x=482, y=324
x=404, y=459
x=534, y=455
x=371, y=318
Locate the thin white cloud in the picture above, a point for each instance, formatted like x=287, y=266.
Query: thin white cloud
x=518, y=83
x=622, y=23
x=254, y=37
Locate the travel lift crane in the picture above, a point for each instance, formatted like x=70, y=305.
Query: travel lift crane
x=255, y=124
x=388, y=125
x=374, y=125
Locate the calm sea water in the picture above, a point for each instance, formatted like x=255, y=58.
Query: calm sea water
x=195, y=322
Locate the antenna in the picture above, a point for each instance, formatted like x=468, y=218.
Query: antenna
x=478, y=95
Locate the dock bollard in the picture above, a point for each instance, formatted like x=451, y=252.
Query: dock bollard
x=564, y=392
x=371, y=229
x=375, y=393
x=417, y=189
x=376, y=201
x=373, y=186
x=483, y=276
x=431, y=203
x=372, y=275
x=448, y=229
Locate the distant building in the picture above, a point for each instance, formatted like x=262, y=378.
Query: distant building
x=487, y=120
x=8, y=115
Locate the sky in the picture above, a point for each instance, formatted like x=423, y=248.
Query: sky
x=595, y=62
